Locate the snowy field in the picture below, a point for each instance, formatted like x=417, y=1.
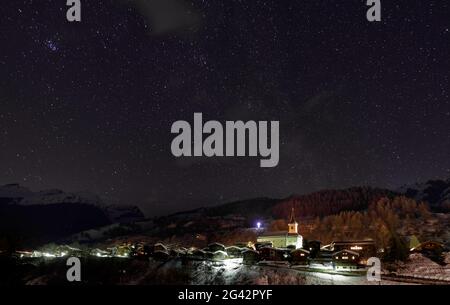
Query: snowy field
x=233, y=272
x=422, y=267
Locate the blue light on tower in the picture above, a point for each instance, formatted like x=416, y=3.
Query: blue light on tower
x=258, y=225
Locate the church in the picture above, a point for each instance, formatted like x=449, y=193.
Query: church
x=283, y=239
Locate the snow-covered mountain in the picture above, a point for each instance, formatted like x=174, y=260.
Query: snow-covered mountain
x=435, y=192
x=57, y=196
x=16, y=194
x=31, y=218
x=14, y=191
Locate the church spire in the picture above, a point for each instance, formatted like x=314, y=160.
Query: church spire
x=293, y=225
x=292, y=218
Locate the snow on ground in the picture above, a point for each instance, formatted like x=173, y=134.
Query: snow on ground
x=420, y=266
x=233, y=272
x=447, y=258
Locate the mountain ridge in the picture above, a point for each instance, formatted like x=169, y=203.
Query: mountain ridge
x=48, y=215
x=31, y=218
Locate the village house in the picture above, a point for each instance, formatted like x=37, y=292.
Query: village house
x=160, y=247
x=323, y=260
x=250, y=256
x=346, y=260
x=364, y=248
x=429, y=247
x=299, y=256
x=272, y=254
x=346, y=256
x=313, y=246
x=213, y=247
x=234, y=251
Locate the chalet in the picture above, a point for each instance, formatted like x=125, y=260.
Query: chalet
x=283, y=239
x=161, y=255
x=234, y=251
x=208, y=255
x=346, y=260
x=250, y=256
x=99, y=253
x=65, y=250
x=299, y=256
x=272, y=254
x=147, y=250
x=160, y=247
x=313, y=247
x=199, y=254
x=429, y=247
x=346, y=256
x=365, y=248
x=219, y=255
x=323, y=260
x=175, y=252
x=213, y=247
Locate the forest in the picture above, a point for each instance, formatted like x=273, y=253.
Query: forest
x=329, y=202
x=384, y=221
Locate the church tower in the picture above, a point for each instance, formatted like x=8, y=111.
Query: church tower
x=293, y=225
x=284, y=239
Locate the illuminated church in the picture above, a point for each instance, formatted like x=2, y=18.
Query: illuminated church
x=283, y=239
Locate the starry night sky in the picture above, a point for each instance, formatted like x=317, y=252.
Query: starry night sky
x=89, y=105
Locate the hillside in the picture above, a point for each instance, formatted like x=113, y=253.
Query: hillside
x=31, y=218
x=329, y=202
x=320, y=203
x=50, y=215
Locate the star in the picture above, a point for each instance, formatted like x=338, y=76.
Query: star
x=51, y=45
x=96, y=100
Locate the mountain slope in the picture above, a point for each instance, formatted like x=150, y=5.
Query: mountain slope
x=37, y=217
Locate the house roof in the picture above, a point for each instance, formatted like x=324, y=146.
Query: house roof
x=271, y=249
x=274, y=233
x=300, y=250
x=348, y=251
x=426, y=243
x=278, y=234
